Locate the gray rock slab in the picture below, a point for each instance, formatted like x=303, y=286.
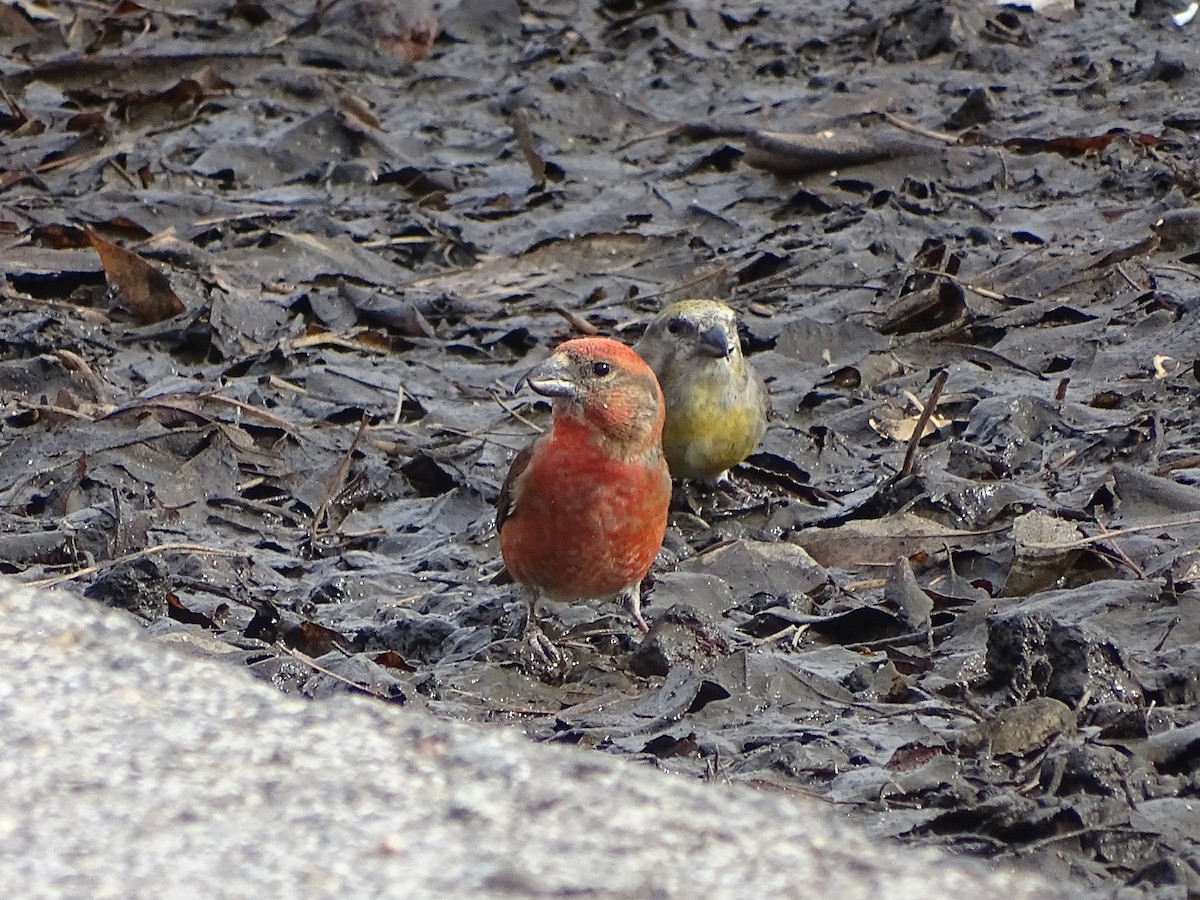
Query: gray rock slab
x=129, y=769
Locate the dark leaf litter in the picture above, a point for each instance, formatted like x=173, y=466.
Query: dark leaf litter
x=271, y=415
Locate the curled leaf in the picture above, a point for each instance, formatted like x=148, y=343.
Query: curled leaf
x=145, y=290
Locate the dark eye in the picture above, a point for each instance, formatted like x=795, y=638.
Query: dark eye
x=600, y=369
x=675, y=326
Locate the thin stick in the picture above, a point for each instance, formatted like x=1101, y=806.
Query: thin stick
x=917, y=129
x=576, y=320
x=1119, y=532
x=516, y=415
x=1133, y=567
x=309, y=661
x=1182, y=270
x=524, y=136
x=337, y=481
x=662, y=132
x=910, y=456
x=1121, y=271
x=241, y=405
x=974, y=288
x=678, y=290
x=136, y=554
x=78, y=364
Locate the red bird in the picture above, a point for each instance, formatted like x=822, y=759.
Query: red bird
x=583, y=510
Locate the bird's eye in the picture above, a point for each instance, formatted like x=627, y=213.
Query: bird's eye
x=675, y=326
x=600, y=369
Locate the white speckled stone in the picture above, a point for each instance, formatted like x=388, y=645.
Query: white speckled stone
x=130, y=769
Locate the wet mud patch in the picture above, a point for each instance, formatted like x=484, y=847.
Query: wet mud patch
x=271, y=278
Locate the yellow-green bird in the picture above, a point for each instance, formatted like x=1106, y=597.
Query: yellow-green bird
x=717, y=403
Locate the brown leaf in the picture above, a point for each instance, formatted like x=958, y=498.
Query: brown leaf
x=210, y=82
x=1123, y=254
x=524, y=136
x=414, y=39
x=58, y=236
x=913, y=755
x=181, y=613
x=312, y=639
x=354, y=111
x=92, y=122
x=1078, y=144
x=145, y=290
x=933, y=309
x=393, y=660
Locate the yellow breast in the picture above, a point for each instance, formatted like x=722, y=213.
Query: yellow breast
x=714, y=421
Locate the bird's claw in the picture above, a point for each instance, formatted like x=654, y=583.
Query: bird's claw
x=540, y=656
x=726, y=485
x=631, y=599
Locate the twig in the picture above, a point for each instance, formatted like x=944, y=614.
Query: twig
x=1034, y=846
x=524, y=136
x=282, y=384
x=917, y=129
x=58, y=410
x=910, y=456
x=266, y=213
x=1121, y=271
x=662, y=132
x=1167, y=633
x=678, y=290
x=136, y=554
x=16, y=110
x=516, y=415
x=312, y=663
x=973, y=288
x=120, y=170
x=1119, y=532
x=488, y=703
x=1133, y=567
x=801, y=630
x=1191, y=273
x=325, y=339
x=253, y=411
x=78, y=364
x=577, y=321
x=905, y=640
x=337, y=481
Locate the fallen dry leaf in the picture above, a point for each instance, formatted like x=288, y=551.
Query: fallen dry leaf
x=145, y=290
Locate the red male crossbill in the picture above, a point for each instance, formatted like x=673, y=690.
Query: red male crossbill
x=583, y=510
x=717, y=403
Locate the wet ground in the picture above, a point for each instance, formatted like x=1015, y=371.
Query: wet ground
x=271, y=278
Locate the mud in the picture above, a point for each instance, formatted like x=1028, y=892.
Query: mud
x=271, y=278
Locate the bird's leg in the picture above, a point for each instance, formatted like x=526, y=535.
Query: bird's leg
x=631, y=599
x=545, y=654
x=530, y=612
x=726, y=485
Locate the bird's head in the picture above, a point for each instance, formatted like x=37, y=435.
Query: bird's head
x=700, y=329
x=604, y=385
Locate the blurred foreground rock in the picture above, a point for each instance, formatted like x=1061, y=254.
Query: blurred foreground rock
x=131, y=770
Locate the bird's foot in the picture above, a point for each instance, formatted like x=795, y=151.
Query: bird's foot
x=540, y=657
x=631, y=599
x=726, y=485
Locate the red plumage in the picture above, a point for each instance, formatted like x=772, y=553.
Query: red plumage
x=583, y=510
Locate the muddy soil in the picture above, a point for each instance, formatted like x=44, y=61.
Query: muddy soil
x=272, y=274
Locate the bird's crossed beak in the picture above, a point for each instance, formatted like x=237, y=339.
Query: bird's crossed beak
x=715, y=342
x=552, y=377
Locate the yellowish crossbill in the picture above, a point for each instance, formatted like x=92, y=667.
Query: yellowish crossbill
x=717, y=404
